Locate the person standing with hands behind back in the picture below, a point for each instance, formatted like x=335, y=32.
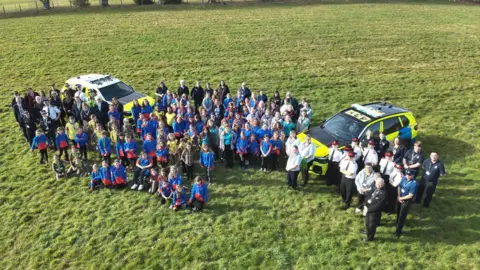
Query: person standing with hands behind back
x=432, y=170
x=375, y=204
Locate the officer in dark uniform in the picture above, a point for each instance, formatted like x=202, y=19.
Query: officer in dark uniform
x=29, y=127
x=375, y=204
x=406, y=193
x=383, y=146
x=432, y=170
x=413, y=158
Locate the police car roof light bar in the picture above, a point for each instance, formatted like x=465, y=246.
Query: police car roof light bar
x=368, y=110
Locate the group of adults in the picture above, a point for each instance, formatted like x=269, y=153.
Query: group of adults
x=383, y=175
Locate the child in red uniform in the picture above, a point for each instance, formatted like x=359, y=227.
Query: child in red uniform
x=165, y=192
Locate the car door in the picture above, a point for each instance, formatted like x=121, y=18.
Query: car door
x=375, y=127
x=390, y=127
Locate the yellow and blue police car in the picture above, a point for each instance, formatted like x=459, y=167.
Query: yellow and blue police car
x=391, y=120
x=108, y=87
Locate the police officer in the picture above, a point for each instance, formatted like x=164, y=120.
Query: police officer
x=413, y=158
x=406, y=193
x=432, y=170
x=348, y=168
x=334, y=156
x=375, y=204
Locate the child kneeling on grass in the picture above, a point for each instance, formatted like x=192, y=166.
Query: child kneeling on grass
x=154, y=181
x=58, y=166
x=95, y=177
x=179, y=199
x=199, y=195
x=106, y=174
x=119, y=174
x=165, y=192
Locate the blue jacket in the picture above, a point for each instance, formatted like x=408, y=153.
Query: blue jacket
x=207, y=159
x=199, y=191
x=266, y=146
x=260, y=133
x=95, y=176
x=242, y=146
x=119, y=172
x=136, y=112
x=177, y=180
x=166, y=190
x=130, y=148
x=40, y=142
x=162, y=154
x=179, y=198
x=115, y=114
x=62, y=141
x=199, y=126
x=253, y=148
x=150, y=147
x=81, y=139
x=139, y=123
x=105, y=173
x=120, y=148
x=104, y=146
x=146, y=110
x=227, y=101
x=179, y=127
x=248, y=133
x=276, y=143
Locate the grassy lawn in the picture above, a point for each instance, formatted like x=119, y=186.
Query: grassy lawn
x=421, y=56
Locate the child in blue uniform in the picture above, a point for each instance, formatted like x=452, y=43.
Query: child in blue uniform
x=81, y=140
x=253, y=151
x=179, y=199
x=62, y=142
x=144, y=164
x=265, y=149
x=42, y=143
x=207, y=162
x=199, y=195
x=104, y=147
x=106, y=174
x=242, y=149
x=119, y=174
x=95, y=177
x=165, y=192
x=276, y=149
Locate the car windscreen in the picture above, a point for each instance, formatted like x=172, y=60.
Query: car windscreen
x=117, y=90
x=344, y=127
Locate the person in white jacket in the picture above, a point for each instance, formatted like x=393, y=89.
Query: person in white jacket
x=348, y=168
x=307, y=151
x=291, y=141
x=364, y=181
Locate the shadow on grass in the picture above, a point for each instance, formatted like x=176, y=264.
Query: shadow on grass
x=448, y=148
x=129, y=8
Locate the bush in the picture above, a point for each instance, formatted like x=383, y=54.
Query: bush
x=143, y=2
x=80, y=3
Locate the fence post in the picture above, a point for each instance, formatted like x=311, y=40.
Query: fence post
x=3, y=9
x=20, y=6
x=121, y=3
x=36, y=5
x=141, y=2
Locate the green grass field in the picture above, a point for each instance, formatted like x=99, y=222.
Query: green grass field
x=425, y=57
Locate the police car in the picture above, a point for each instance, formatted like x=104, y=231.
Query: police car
x=353, y=122
x=108, y=87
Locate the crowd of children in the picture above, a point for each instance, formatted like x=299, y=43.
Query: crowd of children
x=165, y=138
